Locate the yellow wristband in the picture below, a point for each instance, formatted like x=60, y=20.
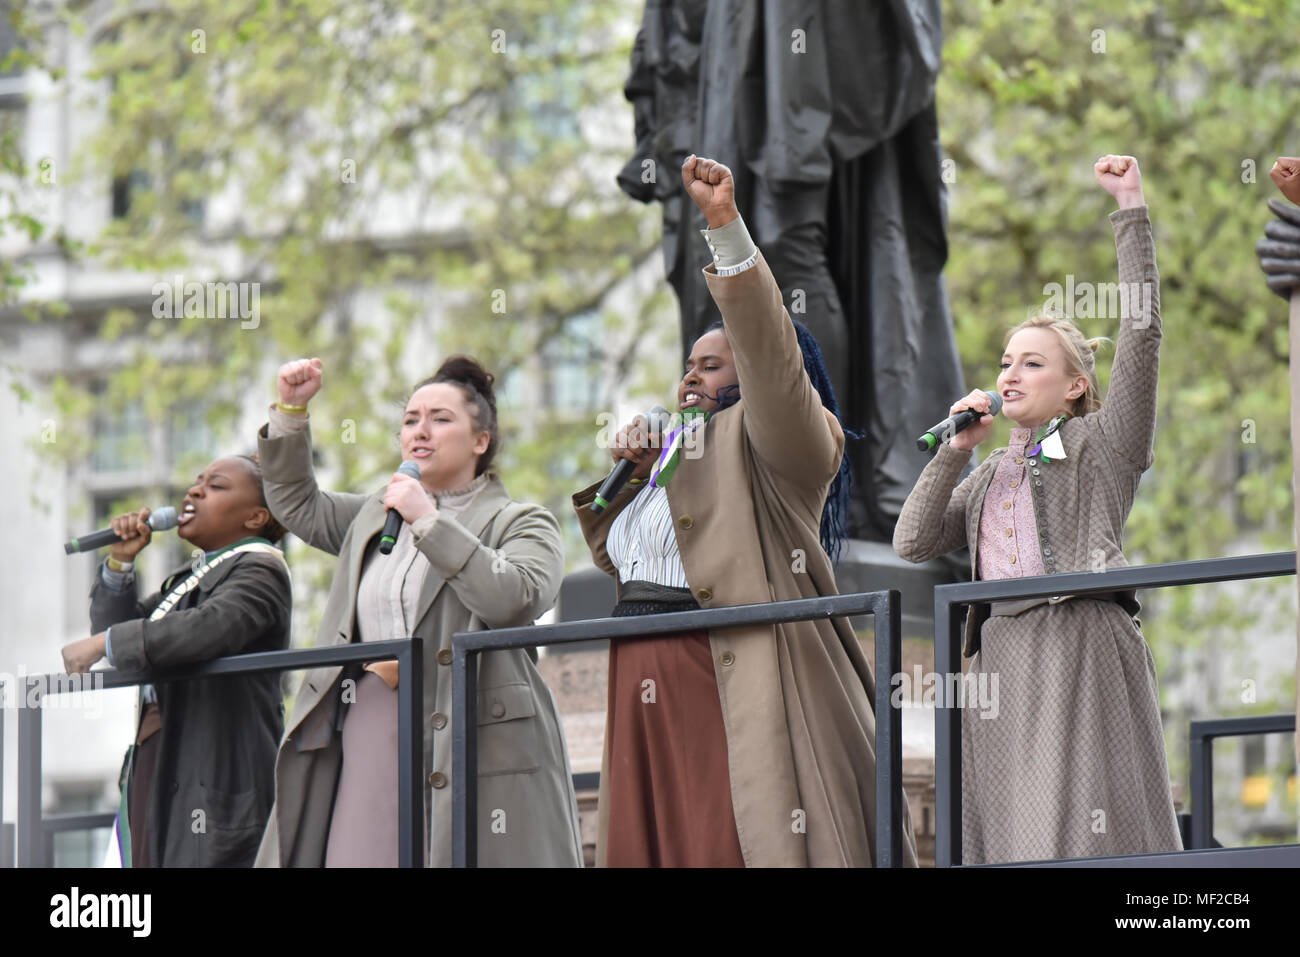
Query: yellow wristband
x=116, y=566
x=291, y=409
x=635, y=481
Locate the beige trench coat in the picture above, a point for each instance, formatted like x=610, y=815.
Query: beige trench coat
x=497, y=564
x=797, y=699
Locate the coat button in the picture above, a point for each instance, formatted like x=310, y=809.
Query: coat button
x=444, y=656
x=1035, y=471
x=727, y=658
x=1006, y=505
x=703, y=594
x=686, y=521
x=1020, y=461
x=1033, y=462
x=439, y=720
x=1013, y=559
x=498, y=709
x=437, y=780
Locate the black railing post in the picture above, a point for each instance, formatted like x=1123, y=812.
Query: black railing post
x=464, y=766
x=947, y=733
x=887, y=611
x=31, y=846
x=1201, y=747
x=5, y=859
x=410, y=748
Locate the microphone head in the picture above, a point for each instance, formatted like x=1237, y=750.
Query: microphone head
x=660, y=418
x=995, y=401
x=410, y=467
x=163, y=519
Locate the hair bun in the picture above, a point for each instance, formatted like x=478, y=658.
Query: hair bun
x=467, y=370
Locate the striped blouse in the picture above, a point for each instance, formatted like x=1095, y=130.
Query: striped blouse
x=642, y=544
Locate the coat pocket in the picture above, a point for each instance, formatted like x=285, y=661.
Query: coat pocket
x=508, y=739
x=231, y=827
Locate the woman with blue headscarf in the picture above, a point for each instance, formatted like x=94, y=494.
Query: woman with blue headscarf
x=755, y=745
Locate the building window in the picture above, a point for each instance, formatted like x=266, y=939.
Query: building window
x=571, y=364
x=121, y=441
x=80, y=848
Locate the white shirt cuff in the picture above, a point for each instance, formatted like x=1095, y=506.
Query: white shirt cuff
x=733, y=249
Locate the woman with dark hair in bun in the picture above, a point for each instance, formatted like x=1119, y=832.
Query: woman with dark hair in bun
x=467, y=557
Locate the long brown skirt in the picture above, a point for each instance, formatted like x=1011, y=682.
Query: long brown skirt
x=669, y=789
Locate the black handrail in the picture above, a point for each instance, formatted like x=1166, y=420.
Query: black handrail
x=947, y=650
x=33, y=831
x=885, y=606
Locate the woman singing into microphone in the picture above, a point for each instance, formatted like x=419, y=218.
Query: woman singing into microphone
x=466, y=557
x=198, y=780
x=1073, y=764
x=753, y=745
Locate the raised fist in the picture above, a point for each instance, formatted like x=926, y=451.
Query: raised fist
x=299, y=380
x=1119, y=176
x=1286, y=175
x=710, y=185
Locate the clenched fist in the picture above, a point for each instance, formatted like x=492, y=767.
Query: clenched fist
x=710, y=185
x=635, y=443
x=1286, y=175
x=1119, y=176
x=133, y=528
x=299, y=380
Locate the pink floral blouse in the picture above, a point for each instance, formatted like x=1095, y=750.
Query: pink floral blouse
x=1008, y=542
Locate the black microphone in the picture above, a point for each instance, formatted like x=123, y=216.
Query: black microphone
x=657, y=418
x=159, y=521
x=957, y=422
x=393, y=524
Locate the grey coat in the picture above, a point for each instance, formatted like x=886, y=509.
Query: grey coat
x=497, y=564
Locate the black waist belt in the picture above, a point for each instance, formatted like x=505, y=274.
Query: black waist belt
x=650, y=598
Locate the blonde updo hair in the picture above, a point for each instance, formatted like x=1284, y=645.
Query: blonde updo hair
x=1080, y=356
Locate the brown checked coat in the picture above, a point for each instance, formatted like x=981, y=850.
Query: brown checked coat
x=1071, y=762
x=495, y=565
x=797, y=699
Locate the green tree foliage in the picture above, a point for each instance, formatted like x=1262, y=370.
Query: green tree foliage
x=404, y=180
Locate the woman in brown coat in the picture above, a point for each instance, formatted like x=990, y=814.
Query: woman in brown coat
x=753, y=745
x=1070, y=761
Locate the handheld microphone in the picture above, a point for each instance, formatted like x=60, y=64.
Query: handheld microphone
x=159, y=521
x=657, y=418
x=393, y=524
x=957, y=422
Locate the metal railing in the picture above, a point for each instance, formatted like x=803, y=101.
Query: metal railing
x=35, y=833
x=948, y=629
x=1200, y=741
x=885, y=606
